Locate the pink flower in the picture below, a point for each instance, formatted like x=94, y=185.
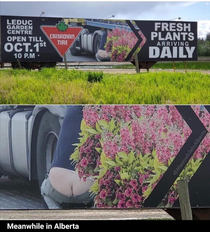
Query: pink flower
x=128, y=192
x=97, y=136
x=144, y=188
x=129, y=204
x=84, y=162
x=135, y=197
x=141, y=180
x=172, y=200
x=107, y=182
x=87, y=150
x=121, y=196
x=117, y=168
x=121, y=204
x=103, y=194
x=133, y=183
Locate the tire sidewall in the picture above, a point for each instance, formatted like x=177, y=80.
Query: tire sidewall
x=49, y=125
x=97, y=40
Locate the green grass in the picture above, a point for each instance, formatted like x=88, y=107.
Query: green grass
x=198, y=65
x=181, y=65
x=53, y=86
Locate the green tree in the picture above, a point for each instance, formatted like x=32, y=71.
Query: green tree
x=204, y=47
x=208, y=37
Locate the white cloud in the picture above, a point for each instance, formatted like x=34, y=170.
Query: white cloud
x=139, y=10
x=203, y=28
x=88, y=9
x=186, y=4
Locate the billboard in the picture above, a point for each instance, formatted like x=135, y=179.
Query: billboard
x=23, y=39
x=121, y=156
x=167, y=40
x=49, y=39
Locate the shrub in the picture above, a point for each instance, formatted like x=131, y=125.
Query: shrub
x=94, y=76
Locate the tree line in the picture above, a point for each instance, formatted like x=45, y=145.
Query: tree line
x=204, y=46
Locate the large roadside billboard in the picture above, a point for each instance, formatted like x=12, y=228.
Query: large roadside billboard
x=167, y=40
x=33, y=39
x=22, y=38
x=119, y=156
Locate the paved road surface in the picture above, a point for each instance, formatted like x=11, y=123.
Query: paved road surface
x=19, y=200
x=19, y=195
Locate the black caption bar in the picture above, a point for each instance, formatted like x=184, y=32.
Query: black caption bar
x=73, y=225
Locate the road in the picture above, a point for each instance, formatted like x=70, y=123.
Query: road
x=19, y=195
x=19, y=200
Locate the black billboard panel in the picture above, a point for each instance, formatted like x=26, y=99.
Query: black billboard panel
x=48, y=39
x=168, y=40
x=23, y=39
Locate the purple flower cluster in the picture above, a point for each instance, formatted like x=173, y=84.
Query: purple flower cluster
x=128, y=195
x=89, y=158
x=160, y=129
x=120, y=43
x=125, y=113
x=154, y=131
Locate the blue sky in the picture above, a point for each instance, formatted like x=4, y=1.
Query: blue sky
x=140, y=10
x=195, y=10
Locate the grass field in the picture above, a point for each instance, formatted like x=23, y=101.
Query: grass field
x=181, y=65
x=53, y=86
x=198, y=65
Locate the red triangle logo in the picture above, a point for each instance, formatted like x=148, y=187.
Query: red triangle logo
x=61, y=40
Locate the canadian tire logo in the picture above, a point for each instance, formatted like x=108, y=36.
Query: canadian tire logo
x=61, y=36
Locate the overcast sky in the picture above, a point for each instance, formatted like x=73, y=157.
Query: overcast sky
x=140, y=10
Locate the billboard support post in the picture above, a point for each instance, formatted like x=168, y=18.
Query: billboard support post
x=174, y=66
x=19, y=65
x=137, y=63
x=184, y=199
x=185, y=65
x=64, y=56
x=147, y=67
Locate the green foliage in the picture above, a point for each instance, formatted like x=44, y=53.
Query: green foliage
x=54, y=86
x=95, y=76
x=208, y=37
x=191, y=65
x=181, y=65
x=204, y=47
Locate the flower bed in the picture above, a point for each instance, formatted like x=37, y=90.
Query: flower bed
x=121, y=42
x=127, y=149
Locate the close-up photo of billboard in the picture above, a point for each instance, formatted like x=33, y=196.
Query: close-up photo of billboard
x=104, y=111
